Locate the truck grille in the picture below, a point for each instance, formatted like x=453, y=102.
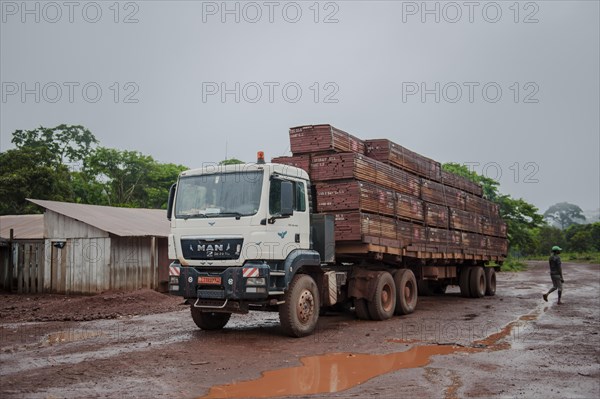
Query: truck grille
x=196, y=249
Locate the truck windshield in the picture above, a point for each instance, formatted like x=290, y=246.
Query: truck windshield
x=219, y=195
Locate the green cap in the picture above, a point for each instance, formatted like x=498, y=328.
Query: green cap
x=556, y=248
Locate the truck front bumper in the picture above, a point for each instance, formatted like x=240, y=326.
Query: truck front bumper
x=238, y=283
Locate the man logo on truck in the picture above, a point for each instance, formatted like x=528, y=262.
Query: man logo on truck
x=210, y=248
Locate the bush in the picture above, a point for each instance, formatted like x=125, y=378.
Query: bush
x=512, y=264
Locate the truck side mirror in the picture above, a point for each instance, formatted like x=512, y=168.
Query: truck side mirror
x=287, y=198
x=170, y=202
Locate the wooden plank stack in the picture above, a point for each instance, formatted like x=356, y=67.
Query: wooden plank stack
x=385, y=195
x=391, y=153
x=355, y=166
x=323, y=138
x=461, y=183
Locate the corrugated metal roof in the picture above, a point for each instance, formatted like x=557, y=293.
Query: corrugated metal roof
x=26, y=227
x=124, y=222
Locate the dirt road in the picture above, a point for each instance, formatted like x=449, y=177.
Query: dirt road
x=118, y=345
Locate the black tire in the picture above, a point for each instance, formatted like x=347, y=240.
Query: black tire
x=209, y=320
x=299, y=313
x=406, y=291
x=384, y=301
x=490, y=281
x=477, y=284
x=361, y=308
x=425, y=288
x=465, y=282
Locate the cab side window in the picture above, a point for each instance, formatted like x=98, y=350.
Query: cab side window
x=299, y=197
x=275, y=196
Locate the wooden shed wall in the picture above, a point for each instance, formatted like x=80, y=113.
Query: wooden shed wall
x=134, y=262
x=82, y=266
x=58, y=226
x=92, y=260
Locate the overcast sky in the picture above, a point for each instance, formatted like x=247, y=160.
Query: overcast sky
x=511, y=89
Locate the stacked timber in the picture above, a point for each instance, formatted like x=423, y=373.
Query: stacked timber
x=391, y=153
x=322, y=138
x=298, y=161
x=387, y=197
x=355, y=166
x=456, y=181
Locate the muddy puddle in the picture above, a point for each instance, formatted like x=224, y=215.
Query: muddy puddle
x=66, y=336
x=335, y=372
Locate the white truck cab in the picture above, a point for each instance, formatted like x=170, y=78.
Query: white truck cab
x=240, y=234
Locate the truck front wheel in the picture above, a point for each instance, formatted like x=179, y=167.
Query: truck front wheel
x=299, y=313
x=384, y=301
x=209, y=320
x=406, y=291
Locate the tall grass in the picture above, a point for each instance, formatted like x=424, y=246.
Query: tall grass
x=510, y=264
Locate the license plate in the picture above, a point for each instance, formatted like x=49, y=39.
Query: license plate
x=209, y=280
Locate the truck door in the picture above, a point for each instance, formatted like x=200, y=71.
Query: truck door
x=292, y=232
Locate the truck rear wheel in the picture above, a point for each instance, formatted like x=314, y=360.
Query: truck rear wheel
x=477, y=284
x=490, y=281
x=465, y=282
x=300, y=312
x=406, y=291
x=362, y=309
x=384, y=302
x=209, y=320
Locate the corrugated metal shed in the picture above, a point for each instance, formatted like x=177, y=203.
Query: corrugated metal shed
x=124, y=222
x=26, y=227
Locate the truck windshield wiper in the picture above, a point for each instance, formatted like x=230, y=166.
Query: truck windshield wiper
x=236, y=214
x=193, y=216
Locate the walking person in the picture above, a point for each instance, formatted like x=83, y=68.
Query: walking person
x=555, y=274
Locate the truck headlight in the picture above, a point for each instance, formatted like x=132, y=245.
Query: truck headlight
x=255, y=281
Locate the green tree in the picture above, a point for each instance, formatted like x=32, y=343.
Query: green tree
x=230, y=161
x=521, y=219
x=64, y=142
x=564, y=214
x=126, y=178
x=548, y=236
x=160, y=179
x=30, y=172
x=583, y=237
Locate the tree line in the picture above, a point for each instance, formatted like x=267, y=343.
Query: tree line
x=66, y=163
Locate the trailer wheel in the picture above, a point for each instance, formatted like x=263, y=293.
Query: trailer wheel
x=300, y=312
x=384, y=302
x=362, y=309
x=209, y=320
x=490, y=281
x=465, y=282
x=406, y=291
x=477, y=285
